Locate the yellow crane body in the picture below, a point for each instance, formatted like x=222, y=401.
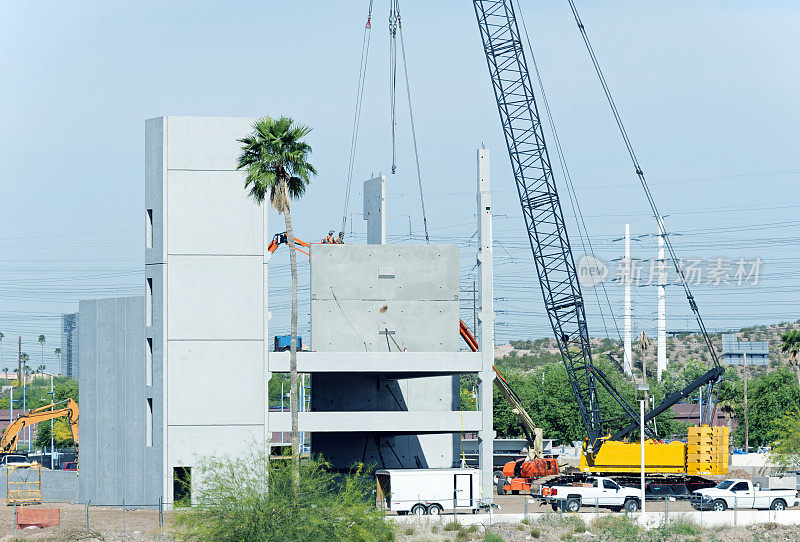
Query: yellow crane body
x=704, y=453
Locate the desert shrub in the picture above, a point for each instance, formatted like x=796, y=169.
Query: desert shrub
x=616, y=526
x=462, y=535
x=536, y=532
x=408, y=531
x=452, y=526
x=254, y=499
x=492, y=537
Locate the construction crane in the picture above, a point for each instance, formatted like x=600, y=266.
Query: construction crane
x=547, y=233
x=8, y=442
x=518, y=475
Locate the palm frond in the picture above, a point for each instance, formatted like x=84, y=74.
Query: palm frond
x=275, y=150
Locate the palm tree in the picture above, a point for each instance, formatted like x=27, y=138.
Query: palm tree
x=58, y=356
x=2, y=357
x=276, y=161
x=42, y=340
x=790, y=344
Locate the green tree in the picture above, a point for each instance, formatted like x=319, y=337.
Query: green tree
x=790, y=344
x=769, y=397
x=786, y=449
x=276, y=160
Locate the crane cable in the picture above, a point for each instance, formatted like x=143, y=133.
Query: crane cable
x=362, y=74
x=411, y=116
x=640, y=173
x=393, y=19
x=583, y=232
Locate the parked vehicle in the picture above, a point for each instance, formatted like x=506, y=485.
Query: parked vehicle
x=737, y=493
x=595, y=491
x=14, y=459
x=70, y=465
x=428, y=491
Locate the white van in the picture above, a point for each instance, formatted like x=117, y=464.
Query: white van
x=428, y=491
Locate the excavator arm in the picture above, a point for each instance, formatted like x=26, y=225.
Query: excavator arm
x=533, y=434
x=9, y=440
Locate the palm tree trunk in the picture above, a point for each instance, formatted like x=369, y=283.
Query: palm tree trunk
x=293, y=402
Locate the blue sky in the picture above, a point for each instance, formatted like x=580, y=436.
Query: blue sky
x=708, y=91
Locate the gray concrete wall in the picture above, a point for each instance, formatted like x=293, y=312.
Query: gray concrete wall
x=207, y=266
x=114, y=461
x=358, y=294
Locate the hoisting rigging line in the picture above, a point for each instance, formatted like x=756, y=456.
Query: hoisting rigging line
x=393, y=19
x=707, y=415
x=362, y=73
x=411, y=115
x=583, y=232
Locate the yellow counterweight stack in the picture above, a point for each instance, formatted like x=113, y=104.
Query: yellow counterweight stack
x=705, y=452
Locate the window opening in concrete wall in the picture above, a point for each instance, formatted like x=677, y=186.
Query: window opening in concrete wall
x=149, y=301
x=182, y=486
x=148, y=353
x=149, y=423
x=148, y=239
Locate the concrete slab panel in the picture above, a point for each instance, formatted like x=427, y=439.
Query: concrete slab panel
x=390, y=422
x=191, y=364
x=210, y=213
x=205, y=143
x=345, y=324
x=215, y=297
x=378, y=362
x=384, y=272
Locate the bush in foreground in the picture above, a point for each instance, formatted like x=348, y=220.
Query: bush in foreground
x=254, y=500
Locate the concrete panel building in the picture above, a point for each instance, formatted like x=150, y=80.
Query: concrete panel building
x=205, y=295
x=384, y=329
x=116, y=463
x=385, y=298
x=70, y=352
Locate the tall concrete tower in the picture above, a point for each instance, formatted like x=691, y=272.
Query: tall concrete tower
x=627, y=363
x=661, y=364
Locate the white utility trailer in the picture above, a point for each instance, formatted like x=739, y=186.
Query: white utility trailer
x=428, y=491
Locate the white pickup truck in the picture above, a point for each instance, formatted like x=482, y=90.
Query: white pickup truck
x=742, y=494
x=595, y=491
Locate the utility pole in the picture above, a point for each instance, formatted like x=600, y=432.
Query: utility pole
x=19, y=362
x=52, y=440
x=661, y=362
x=746, y=421
x=474, y=306
x=627, y=362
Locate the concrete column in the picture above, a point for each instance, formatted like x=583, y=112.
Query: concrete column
x=485, y=332
x=375, y=210
x=628, y=354
x=661, y=364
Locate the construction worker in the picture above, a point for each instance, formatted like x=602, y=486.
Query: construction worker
x=340, y=239
x=328, y=239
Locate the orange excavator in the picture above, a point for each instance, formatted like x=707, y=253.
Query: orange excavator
x=281, y=239
x=8, y=443
x=518, y=475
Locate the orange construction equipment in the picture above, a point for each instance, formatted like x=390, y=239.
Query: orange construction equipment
x=518, y=475
x=8, y=443
x=281, y=239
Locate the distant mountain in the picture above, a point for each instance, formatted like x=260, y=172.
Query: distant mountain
x=531, y=353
